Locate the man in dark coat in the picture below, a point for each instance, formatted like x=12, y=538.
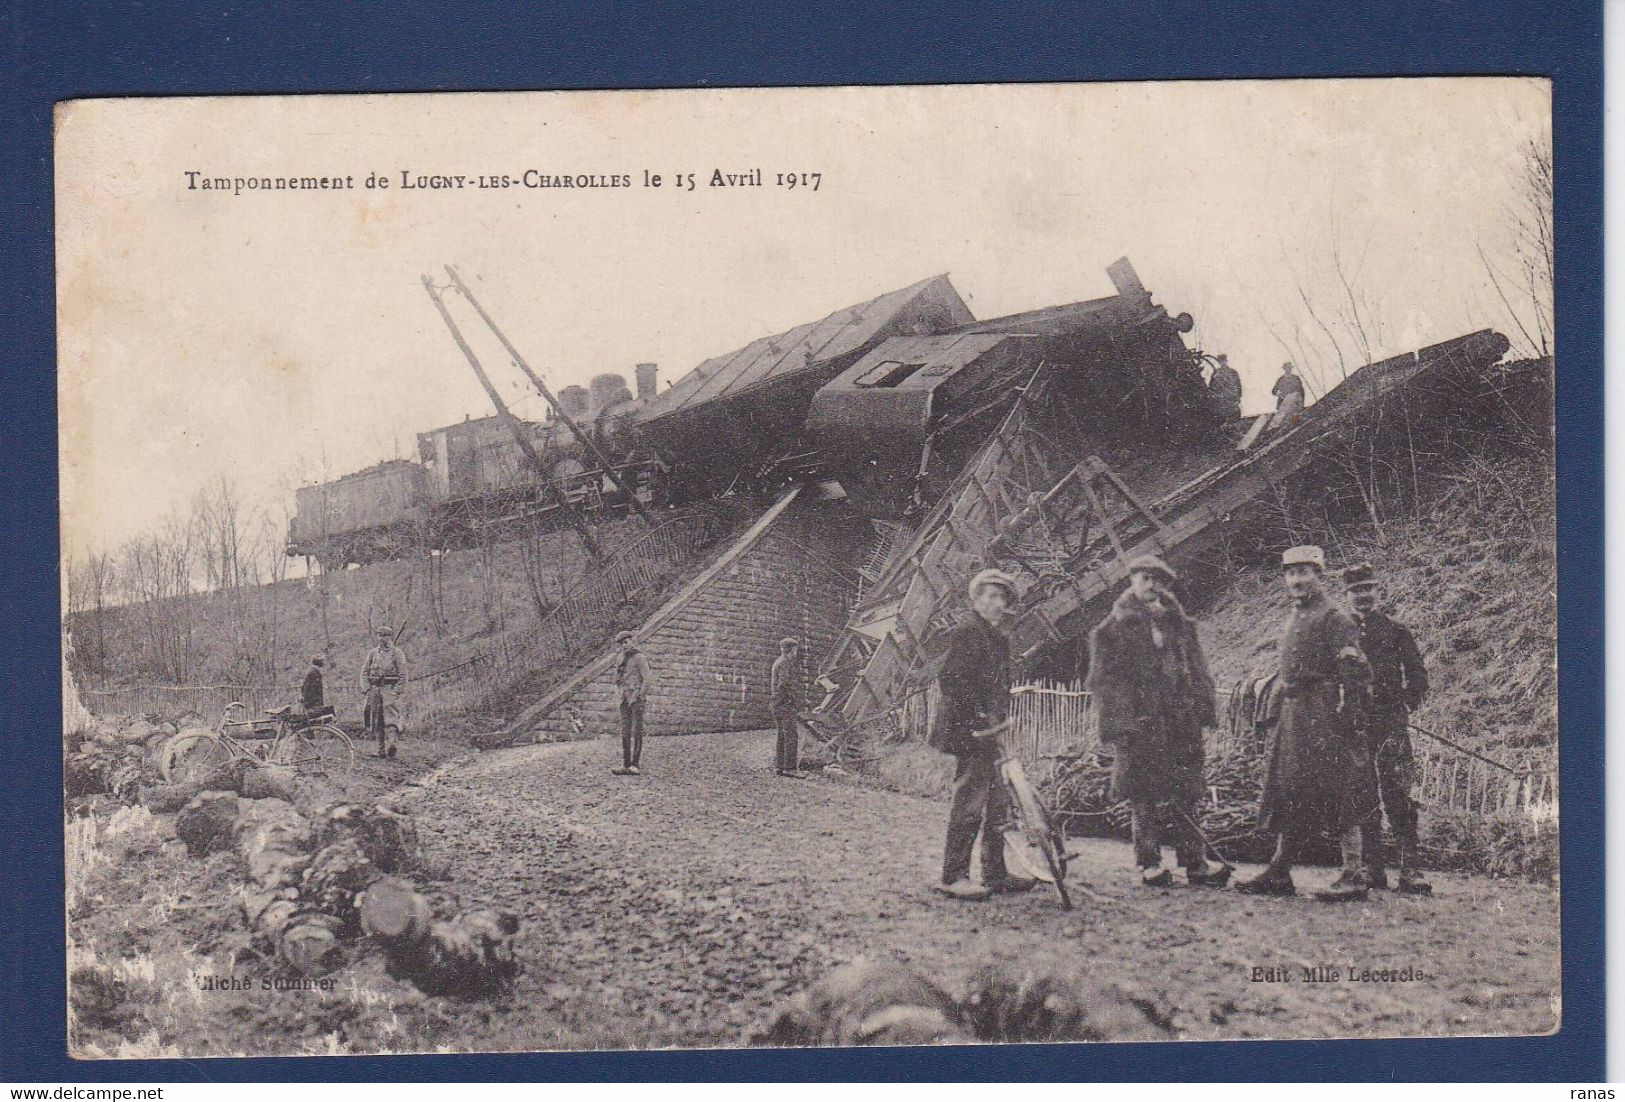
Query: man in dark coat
x=1289, y=398
x=312, y=694
x=633, y=678
x=784, y=682
x=1399, y=681
x=975, y=685
x=1153, y=695
x=1319, y=775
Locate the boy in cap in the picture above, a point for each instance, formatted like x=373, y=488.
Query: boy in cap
x=634, y=678
x=382, y=675
x=1399, y=681
x=975, y=685
x=1153, y=695
x=1318, y=779
x=785, y=688
x=312, y=692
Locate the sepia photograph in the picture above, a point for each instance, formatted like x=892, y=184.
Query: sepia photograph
x=794, y=567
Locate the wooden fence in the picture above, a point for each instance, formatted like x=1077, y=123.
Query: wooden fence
x=1053, y=721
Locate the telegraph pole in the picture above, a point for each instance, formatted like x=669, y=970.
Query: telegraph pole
x=524, y=442
x=580, y=434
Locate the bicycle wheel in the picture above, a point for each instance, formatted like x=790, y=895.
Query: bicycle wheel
x=1040, y=830
x=321, y=751
x=192, y=757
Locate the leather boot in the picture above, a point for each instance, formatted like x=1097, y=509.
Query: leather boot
x=1349, y=887
x=1411, y=881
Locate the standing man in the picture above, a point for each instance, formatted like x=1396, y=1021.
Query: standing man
x=1153, y=695
x=635, y=678
x=1288, y=391
x=383, y=675
x=312, y=695
x=1224, y=391
x=785, y=682
x=1399, y=681
x=975, y=685
x=1319, y=775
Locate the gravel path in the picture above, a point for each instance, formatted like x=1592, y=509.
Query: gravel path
x=677, y=908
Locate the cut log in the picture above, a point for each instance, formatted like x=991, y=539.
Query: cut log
x=333, y=881
x=393, y=912
x=310, y=943
x=274, y=842
x=205, y=824
x=166, y=799
x=261, y=782
x=469, y=955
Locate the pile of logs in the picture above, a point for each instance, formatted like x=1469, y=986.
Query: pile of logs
x=317, y=883
x=112, y=757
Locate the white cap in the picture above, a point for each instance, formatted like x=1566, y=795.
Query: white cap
x=993, y=577
x=1305, y=555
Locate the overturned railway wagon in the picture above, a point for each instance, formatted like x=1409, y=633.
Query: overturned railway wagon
x=736, y=412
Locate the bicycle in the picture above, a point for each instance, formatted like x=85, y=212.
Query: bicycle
x=1039, y=828
x=308, y=744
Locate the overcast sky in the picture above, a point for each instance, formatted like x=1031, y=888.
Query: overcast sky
x=281, y=337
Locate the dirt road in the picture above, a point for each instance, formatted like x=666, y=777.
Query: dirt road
x=679, y=907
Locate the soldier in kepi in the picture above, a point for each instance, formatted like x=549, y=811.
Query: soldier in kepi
x=785, y=687
x=383, y=679
x=1399, y=681
x=1319, y=774
x=975, y=684
x=1153, y=695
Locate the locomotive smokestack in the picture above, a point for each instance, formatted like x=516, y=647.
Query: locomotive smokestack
x=575, y=400
x=648, y=380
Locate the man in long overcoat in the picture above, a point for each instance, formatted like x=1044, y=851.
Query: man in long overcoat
x=1319, y=774
x=1399, y=681
x=1153, y=695
x=975, y=686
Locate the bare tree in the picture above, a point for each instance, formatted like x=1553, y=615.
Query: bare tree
x=1527, y=282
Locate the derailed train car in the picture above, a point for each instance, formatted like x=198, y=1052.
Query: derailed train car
x=472, y=482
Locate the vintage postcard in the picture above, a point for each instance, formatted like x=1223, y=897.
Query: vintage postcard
x=821, y=566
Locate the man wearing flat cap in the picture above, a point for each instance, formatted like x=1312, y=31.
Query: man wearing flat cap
x=784, y=683
x=975, y=685
x=383, y=679
x=1319, y=774
x=633, y=677
x=1153, y=695
x=1399, y=681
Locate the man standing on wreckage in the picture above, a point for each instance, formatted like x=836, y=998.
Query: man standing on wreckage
x=1319, y=778
x=1154, y=695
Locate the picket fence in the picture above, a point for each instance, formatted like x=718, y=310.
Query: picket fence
x=1053, y=722
x=616, y=583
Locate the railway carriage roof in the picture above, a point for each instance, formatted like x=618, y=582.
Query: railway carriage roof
x=789, y=353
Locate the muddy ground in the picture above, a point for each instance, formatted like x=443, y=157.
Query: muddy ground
x=679, y=907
